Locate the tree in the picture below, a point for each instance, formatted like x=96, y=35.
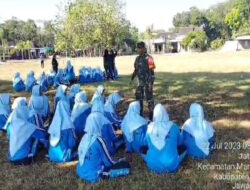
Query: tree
x=196, y=41
x=3, y=42
x=21, y=47
x=149, y=35
x=92, y=24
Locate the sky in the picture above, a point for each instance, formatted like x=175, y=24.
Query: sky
x=141, y=13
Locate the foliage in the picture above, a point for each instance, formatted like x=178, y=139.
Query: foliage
x=94, y=24
x=196, y=41
x=216, y=44
x=221, y=21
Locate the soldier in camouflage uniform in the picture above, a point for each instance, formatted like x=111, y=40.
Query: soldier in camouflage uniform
x=144, y=70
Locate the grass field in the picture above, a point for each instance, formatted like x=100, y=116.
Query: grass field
x=219, y=81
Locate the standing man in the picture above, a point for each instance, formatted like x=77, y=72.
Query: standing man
x=144, y=70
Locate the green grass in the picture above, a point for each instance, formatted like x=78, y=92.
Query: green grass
x=226, y=100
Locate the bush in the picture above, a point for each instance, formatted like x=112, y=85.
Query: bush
x=216, y=44
x=196, y=41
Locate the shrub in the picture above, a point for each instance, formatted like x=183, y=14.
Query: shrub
x=216, y=44
x=196, y=41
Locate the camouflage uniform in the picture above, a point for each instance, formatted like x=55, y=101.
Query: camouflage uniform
x=146, y=80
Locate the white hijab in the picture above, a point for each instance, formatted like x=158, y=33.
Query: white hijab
x=198, y=127
x=113, y=100
x=61, y=121
x=93, y=131
x=160, y=127
x=99, y=94
x=80, y=106
x=5, y=105
x=132, y=121
x=20, y=128
x=38, y=103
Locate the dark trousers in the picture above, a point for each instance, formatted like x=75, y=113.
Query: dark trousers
x=42, y=63
x=146, y=89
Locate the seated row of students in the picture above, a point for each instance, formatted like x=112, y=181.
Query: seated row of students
x=66, y=76
x=89, y=75
x=160, y=143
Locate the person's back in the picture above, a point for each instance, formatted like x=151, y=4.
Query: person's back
x=4, y=109
x=163, y=139
x=165, y=160
x=18, y=84
x=96, y=157
x=198, y=134
x=62, y=136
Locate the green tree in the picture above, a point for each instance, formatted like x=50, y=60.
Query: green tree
x=196, y=41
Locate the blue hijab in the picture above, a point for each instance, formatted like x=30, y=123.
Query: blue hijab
x=20, y=128
x=30, y=79
x=17, y=79
x=80, y=106
x=5, y=105
x=61, y=121
x=38, y=103
x=113, y=100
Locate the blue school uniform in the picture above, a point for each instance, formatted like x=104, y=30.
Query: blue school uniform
x=73, y=91
x=43, y=82
x=4, y=109
x=163, y=138
x=110, y=109
x=23, y=135
x=70, y=73
x=62, y=135
x=80, y=112
x=198, y=134
x=61, y=95
x=30, y=81
x=18, y=84
x=94, y=157
x=39, y=104
x=134, y=128
x=113, y=141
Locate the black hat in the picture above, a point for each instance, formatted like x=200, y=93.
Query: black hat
x=141, y=45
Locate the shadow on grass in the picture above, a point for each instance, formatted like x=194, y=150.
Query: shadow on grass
x=226, y=100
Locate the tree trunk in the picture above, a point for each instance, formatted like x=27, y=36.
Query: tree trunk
x=22, y=54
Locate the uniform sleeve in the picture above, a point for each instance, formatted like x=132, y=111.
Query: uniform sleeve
x=135, y=69
x=105, y=156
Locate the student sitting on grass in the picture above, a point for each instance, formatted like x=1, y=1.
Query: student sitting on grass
x=112, y=140
x=39, y=104
x=69, y=71
x=110, y=109
x=73, y=91
x=99, y=94
x=163, y=138
x=134, y=128
x=30, y=81
x=4, y=109
x=60, y=78
x=95, y=161
x=43, y=82
x=18, y=84
x=61, y=94
x=62, y=135
x=80, y=112
x=24, y=137
x=198, y=134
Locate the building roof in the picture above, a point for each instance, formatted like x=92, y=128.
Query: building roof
x=186, y=30
x=246, y=37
